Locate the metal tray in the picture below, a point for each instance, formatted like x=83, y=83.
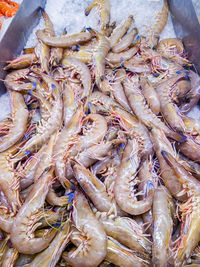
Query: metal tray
x=184, y=19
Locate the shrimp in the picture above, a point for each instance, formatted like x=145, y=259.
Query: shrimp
x=92, y=238
x=125, y=42
x=158, y=26
x=27, y=170
x=82, y=69
x=168, y=175
x=122, y=256
x=127, y=179
x=193, y=95
x=13, y=80
x=127, y=232
x=150, y=95
x=63, y=142
x=118, y=91
x=21, y=62
x=168, y=108
x=7, y=9
x=137, y=67
x=24, y=224
x=115, y=58
x=120, y=30
x=64, y=41
x=162, y=226
x=104, y=6
x=142, y=111
x=94, y=188
x=46, y=157
x=173, y=49
x=100, y=57
x=82, y=55
x=9, y=183
x=19, y=121
x=69, y=102
x=49, y=126
x=190, y=210
x=10, y=257
x=191, y=149
x=50, y=256
x=135, y=129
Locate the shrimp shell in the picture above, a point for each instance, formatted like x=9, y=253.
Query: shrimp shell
x=64, y=41
x=92, y=249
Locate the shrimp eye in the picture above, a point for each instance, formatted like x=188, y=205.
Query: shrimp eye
x=86, y=12
x=53, y=86
x=27, y=153
x=34, y=85
x=70, y=197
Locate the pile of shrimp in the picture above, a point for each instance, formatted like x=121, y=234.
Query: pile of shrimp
x=99, y=161
x=8, y=9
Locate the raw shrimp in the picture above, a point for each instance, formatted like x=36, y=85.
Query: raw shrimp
x=173, y=49
x=158, y=26
x=63, y=143
x=168, y=108
x=104, y=6
x=19, y=121
x=10, y=257
x=92, y=238
x=150, y=95
x=190, y=149
x=118, y=91
x=134, y=129
x=142, y=111
x=127, y=232
x=21, y=62
x=120, y=30
x=82, y=55
x=94, y=189
x=13, y=80
x=100, y=57
x=115, y=58
x=82, y=69
x=64, y=41
x=69, y=101
x=24, y=225
x=137, y=67
x=162, y=226
x=49, y=126
x=127, y=179
x=193, y=95
x=125, y=42
x=167, y=173
x=122, y=256
x=50, y=256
